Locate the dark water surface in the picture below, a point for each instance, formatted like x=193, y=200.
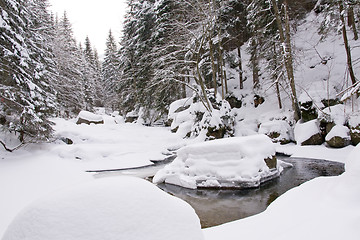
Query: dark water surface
x=215, y=207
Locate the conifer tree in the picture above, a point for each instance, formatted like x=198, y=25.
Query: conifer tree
x=25, y=99
x=110, y=73
x=69, y=85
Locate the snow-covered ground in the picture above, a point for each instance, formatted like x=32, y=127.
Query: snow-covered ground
x=35, y=171
x=324, y=208
x=43, y=170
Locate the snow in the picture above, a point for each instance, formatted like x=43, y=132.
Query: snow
x=324, y=208
x=113, y=208
x=336, y=113
x=277, y=126
x=185, y=102
x=338, y=131
x=303, y=131
x=220, y=163
x=91, y=117
x=36, y=170
x=354, y=120
x=315, y=152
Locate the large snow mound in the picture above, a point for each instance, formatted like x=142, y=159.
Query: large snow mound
x=112, y=208
x=230, y=162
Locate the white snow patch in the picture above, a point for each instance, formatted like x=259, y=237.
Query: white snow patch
x=107, y=209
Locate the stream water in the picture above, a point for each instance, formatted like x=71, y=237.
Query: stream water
x=215, y=207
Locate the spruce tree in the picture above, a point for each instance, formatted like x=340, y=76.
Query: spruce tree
x=26, y=100
x=69, y=84
x=110, y=73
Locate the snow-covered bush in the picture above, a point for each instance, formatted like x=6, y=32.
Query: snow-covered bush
x=236, y=162
x=192, y=119
x=107, y=209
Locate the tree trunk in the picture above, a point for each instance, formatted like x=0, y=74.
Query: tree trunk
x=220, y=62
x=183, y=92
x=226, y=84
x=287, y=53
x=346, y=43
x=254, y=64
x=211, y=49
x=351, y=22
x=241, y=79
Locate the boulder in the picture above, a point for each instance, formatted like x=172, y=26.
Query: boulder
x=354, y=125
x=234, y=101
x=338, y=137
x=132, y=116
x=308, y=133
x=89, y=117
x=308, y=111
x=258, y=100
x=355, y=135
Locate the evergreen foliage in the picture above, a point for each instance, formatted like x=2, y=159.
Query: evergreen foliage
x=26, y=97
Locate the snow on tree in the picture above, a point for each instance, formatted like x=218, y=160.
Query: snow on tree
x=110, y=73
x=69, y=85
x=26, y=99
x=135, y=59
x=339, y=14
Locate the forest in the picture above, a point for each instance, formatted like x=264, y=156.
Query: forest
x=169, y=50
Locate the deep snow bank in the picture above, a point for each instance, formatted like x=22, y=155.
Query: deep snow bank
x=324, y=208
x=113, y=208
x=231, y=162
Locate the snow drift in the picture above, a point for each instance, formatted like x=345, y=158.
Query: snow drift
x=107, y=209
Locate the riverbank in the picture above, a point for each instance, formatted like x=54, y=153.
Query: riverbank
x=324, y=208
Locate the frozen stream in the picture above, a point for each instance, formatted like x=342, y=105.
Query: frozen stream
x=215, y=207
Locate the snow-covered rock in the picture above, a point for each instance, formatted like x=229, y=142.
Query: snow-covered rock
x=354, y=124
x=335, y=114
x=89, y=117
x=308, y=133
x=338, y=137
x=237, y=162
x=278, y=131
x=107, y=209
x=132, y=116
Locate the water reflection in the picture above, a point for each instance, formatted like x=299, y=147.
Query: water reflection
x=215, y=207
